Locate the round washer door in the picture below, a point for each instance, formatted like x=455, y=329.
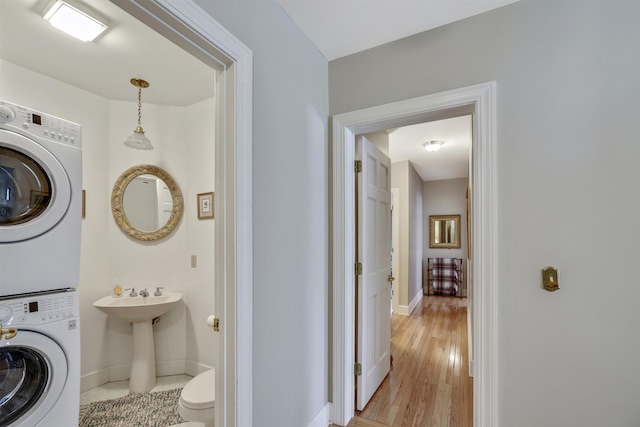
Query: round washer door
x=35, y=191
x=33, y=372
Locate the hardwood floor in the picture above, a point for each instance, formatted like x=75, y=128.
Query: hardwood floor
x=429, y=383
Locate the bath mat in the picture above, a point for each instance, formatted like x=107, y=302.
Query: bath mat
x=157, y=409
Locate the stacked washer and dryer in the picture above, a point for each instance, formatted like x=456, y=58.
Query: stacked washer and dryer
x=40, y=228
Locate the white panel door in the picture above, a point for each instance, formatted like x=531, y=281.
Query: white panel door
x=374, y=243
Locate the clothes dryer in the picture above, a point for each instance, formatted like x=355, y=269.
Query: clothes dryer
x=40, y=201
x=40, y=360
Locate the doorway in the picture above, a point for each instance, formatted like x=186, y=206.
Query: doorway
x=199, y=34
x=431, y=183
x=478, y=100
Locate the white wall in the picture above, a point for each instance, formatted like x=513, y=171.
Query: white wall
x=379, y=139
x=290, y=213
x=148, y=264
x=36, y=91
x=566, y=74
x=399, y=174
x=182, y=148
x=446, y=197
x=199, y=120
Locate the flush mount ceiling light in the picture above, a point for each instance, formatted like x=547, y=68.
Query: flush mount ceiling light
x=75, y=19
x=433, y=145
x=137, y=139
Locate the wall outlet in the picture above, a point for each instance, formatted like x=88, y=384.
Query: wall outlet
x=194, y=261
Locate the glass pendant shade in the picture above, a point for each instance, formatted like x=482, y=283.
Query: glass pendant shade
x=138, y=140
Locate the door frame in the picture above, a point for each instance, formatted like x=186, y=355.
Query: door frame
x=191, y=28
x=480, y=101
x=395, y=237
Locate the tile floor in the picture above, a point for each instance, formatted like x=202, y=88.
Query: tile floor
x=117, y=389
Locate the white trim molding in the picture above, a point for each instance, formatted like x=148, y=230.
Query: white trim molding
x=406, y=310
x=322, y=418
x=193, y=29
x=480, y=101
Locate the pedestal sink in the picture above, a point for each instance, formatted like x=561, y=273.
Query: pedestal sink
x=140, y=311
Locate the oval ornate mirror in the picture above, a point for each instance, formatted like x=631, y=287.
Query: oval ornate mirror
x=146, y=202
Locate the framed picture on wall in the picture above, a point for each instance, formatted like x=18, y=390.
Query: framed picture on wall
x=205, y=205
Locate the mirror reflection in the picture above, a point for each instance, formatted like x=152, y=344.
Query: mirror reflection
x=146, y=202
x=444, y=231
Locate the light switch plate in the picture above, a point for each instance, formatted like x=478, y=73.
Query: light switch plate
x=194, y=261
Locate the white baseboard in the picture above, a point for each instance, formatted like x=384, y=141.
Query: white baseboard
x=119, y=372
x=415, y=301
x=322, y=418
x=402, y=310
x=194, y=368
x=122, y=372
x=405, y=310
x=170, y=367
x=94, y=379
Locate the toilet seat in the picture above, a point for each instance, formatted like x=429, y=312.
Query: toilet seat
x=199, y=393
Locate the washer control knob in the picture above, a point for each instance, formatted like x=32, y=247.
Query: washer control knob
x=5, y=313
x=6, y=114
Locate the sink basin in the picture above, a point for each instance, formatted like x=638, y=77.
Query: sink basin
x=138, y=309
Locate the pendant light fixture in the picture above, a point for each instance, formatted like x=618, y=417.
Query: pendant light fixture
x=137, y=139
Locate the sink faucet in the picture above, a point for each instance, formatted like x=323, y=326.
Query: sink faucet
x=158, y=292
x=133, y=292
x=144, y=293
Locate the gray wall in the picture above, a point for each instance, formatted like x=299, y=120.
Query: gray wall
x=290, y=205
x=567, y=150
x=415, y=235
x=406, y=179
x=446, y=197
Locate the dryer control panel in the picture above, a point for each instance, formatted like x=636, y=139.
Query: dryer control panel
x=39, y=124
x=38, y=309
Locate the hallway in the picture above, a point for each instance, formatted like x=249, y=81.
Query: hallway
x=429, y=383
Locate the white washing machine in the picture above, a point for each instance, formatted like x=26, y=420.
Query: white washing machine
x=40, y=360
x=40, y=201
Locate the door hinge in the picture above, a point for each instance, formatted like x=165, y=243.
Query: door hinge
x=358, y=267
x=358, y=166
x=357, y=369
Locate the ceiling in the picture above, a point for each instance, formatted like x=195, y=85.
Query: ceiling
x=105, y=66
x=357, y=25
x=127, y=49
x=451, y=161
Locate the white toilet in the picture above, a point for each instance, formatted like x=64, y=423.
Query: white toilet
x=198, y=399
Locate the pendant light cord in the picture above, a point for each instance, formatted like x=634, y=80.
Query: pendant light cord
x=139, y=106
